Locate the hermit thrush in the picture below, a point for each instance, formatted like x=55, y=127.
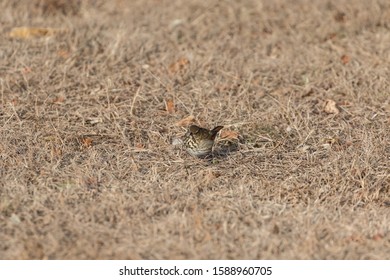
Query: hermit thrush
x=199, y=141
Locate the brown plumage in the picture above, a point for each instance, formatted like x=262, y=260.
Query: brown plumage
x=199, y=141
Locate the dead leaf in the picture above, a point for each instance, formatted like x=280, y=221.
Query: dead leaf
x=179, y=65
x=33, y=32
x=331, y=36
x=93, y=120
x=134, y=166
x=63, y=53
x=186, y=121
x=170, y=106
x=229, y=134
x=377, y=237
x=345, y=59
x=58, y=100
x=26, y=70
x=15, y=219
x=87, y=142
x=15, y=101
x=56, y=152
x=198, y=220
x=92, y=183
x=340, y=17
x=345, y=103
x=139, y=146
x=331, y=107
x=354, y=238
x=331, y=140
x=348, y=143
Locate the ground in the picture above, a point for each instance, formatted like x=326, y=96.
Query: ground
x=92, y=103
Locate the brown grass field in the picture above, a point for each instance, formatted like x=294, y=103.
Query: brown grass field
x=90, y=107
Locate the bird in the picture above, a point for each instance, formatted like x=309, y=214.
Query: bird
x=199, y=141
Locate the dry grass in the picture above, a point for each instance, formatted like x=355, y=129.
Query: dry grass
x=87, y=168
